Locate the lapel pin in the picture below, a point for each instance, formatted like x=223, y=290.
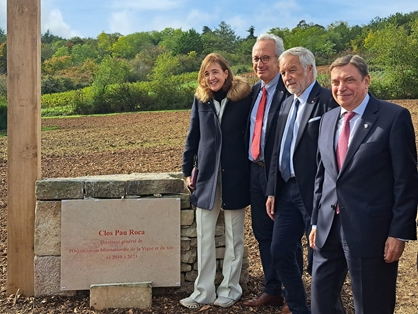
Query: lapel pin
x=366, y=126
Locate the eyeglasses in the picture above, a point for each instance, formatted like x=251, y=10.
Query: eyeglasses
x=264, y=59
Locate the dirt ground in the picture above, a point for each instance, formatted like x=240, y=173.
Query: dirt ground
x=147, y=142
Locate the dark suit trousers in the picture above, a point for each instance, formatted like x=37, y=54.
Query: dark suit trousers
x=263, y=228
x=372, y=280
x=291, y=220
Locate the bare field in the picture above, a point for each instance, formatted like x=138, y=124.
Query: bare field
x=147, y=142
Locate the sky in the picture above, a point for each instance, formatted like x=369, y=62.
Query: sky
x=88, y=18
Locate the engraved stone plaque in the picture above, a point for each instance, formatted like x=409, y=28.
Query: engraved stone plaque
x=120, y=240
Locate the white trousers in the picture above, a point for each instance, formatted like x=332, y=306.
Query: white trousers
x=204, y=286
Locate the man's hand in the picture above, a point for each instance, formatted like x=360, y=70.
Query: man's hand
x=393, y=249
x=312, y=238
x=270, y=207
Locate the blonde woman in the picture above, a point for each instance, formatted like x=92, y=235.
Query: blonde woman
x=217, y=137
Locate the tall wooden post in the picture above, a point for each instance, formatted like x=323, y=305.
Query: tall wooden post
x=24, y=139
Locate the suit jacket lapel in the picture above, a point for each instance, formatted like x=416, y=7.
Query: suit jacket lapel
x=330, y=132
x=310, y=105
x=275, y=103
x=283, y=114
x=365, y=126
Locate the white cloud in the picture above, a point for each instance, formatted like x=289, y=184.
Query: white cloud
x=121, y=22
x=152, y=5
x=54, y=22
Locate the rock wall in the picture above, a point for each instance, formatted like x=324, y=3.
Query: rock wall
x=50, y=193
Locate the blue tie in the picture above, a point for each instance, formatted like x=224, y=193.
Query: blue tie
x=285, y=164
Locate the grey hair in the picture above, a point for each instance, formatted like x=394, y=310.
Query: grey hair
x=355, y=60
x=278, y=43
x=306, y=57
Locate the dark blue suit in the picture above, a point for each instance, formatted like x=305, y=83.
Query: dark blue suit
x=377, y=191
x=261, y=223
x=293, y=199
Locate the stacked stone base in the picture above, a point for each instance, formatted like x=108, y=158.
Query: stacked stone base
x=50, y=193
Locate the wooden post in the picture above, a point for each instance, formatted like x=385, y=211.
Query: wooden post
x=24, y=139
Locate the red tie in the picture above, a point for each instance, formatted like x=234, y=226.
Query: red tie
x=342, y=145
x=255, y=145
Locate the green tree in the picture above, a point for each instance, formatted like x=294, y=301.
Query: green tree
x=187, y=42
x=61, y=52
x=81, y=53
x=49, y=38
x=3, y=36
x=128, y=46
x=169, y=38
x=393, y=50
x=226, y=38
x=141, y=66
x=311, y=36
x=111, y=71
x=3, y=57
x=166, y=65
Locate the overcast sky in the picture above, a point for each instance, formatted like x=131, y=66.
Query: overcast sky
x=88, y=18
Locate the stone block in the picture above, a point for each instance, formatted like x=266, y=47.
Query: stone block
x=220, y=241
x=47, y=228
x=189, y=256
x=221, y=218
x=104, y=188
x=218, y=277
x=184, y=198
x=187, y=287
x=190, y=276
x=48, y=277
x=185, y=243
x=193, y=242
x=245, y=251
x=185, y=267
x=220, y=252
x=187, y=217
x=154, y=183
x=59, y=188
x=190, y=231
x=121, y=295
x=219, y=230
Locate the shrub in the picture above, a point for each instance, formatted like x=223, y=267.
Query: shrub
x=3, y=115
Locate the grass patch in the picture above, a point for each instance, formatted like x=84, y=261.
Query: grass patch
x=49, y=128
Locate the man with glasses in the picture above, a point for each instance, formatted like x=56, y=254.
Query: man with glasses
x=268, y=95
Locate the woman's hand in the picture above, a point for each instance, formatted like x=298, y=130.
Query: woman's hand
x=188, y=181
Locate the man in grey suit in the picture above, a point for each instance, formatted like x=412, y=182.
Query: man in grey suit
x=366, y=190
x=293, y=168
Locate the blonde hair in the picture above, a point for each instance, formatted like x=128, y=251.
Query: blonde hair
x=209, y=59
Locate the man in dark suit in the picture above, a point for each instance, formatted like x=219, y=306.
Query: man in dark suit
x=366, y=191
x=293, y=168
x=265, y=53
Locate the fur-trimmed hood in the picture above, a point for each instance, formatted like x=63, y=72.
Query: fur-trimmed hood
x=239, y=89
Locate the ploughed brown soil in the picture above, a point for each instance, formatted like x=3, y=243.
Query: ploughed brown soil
x=147, y=142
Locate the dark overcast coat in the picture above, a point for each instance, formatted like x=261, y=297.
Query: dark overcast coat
x=220, y=146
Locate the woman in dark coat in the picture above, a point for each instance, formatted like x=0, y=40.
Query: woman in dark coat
x=217, y=137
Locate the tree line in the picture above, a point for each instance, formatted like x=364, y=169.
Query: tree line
x=160, y=63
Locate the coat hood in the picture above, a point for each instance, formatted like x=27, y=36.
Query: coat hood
x=239, y=89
